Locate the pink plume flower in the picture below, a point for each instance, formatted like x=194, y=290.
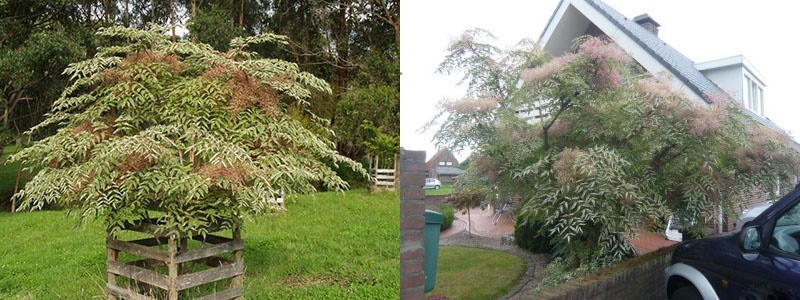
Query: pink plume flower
x=601, y=49
x=545, y=71
x=471, y=105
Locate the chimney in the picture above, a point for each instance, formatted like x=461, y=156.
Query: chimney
x=647, y=22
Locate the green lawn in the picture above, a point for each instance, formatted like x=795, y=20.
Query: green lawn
x=445, y=189
x=8, y=177
x=327, y=246
x=472, y=273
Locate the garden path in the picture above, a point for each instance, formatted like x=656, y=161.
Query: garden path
x=483, y=225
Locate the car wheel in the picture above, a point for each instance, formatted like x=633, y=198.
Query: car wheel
x=437, y=187
x=686, y=292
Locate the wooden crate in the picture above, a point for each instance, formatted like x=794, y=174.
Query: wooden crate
x=144, y=282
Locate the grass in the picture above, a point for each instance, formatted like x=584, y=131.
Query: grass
x=472, y=273
x=327, y=246
x=445, y=189
x=8, y=177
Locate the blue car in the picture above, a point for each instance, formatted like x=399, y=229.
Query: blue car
x=762, y=261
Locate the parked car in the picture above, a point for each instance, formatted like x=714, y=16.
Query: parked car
x=751, y=213
x=676, y=228
x=432, y=183
x=762, y=261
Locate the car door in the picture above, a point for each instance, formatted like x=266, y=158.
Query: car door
x=773, y=272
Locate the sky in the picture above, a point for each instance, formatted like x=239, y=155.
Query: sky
x=702, y=30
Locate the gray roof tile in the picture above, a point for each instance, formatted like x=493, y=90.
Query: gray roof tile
x=676, y=62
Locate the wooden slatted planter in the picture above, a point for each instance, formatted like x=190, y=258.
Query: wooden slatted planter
x=145, y=282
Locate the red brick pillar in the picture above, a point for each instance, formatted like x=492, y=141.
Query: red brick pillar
x=412, y=224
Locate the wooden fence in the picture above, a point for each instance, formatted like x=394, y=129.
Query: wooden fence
x=384, y=178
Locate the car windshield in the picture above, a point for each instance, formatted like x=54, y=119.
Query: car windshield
x=791, y=218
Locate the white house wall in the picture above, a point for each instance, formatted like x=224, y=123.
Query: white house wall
x=729, y=78
x=571, y=24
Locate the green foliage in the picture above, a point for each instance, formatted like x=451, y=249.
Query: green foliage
x=449, y=216
x=352, y=45
x=202, y=135
x=532, y=235
x=613, y=148
x=367, y=115
x=213, y=27
x=308, y=253
x=8, y=178
x=558, y=271
x=30, y=75
x=467, y=199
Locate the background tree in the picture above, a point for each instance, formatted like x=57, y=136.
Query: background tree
x=472, y=193
x=354, y=45
x=203, y=136
x=613, y=149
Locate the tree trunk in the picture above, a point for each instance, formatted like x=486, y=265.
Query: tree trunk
x=127, y=17
x=89, y=14
x=233, y=13
x=104, y=3
x=469, y=222
x=172, y=17
x=241, y=14
x=342, y=34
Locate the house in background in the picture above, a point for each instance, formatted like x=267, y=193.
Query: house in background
x=443, y=166
x=734, y=76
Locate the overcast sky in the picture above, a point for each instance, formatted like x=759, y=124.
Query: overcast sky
x=705, y=30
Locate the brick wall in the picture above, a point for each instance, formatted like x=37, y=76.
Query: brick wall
x=412, y=224
x=435, y=202
x=637, y=278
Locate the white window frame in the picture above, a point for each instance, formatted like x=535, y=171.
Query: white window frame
x=746, y=92
x=753, y=96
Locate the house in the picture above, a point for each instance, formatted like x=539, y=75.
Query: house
x=444, y=166
x=734, y=76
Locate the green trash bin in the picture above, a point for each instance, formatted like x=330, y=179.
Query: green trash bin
x=433, y=224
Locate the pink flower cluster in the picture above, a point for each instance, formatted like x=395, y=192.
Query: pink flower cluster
x=707, y=119
x=606, y=55
x=471, y=105
x=467, y=37
x=560, y=128
x=656, y=87
x=602, y=50
x=544, y=71
x=606, y=77
x=563, y=166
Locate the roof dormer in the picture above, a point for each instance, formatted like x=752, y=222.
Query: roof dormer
x=737, y=77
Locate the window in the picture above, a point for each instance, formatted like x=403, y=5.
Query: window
x=787, y=232
x=449, y=163
x=441, y=163
x=753, y=98
x=746, y=92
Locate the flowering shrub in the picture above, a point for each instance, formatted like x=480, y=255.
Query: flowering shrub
x=611, y=150
x=205, y=137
